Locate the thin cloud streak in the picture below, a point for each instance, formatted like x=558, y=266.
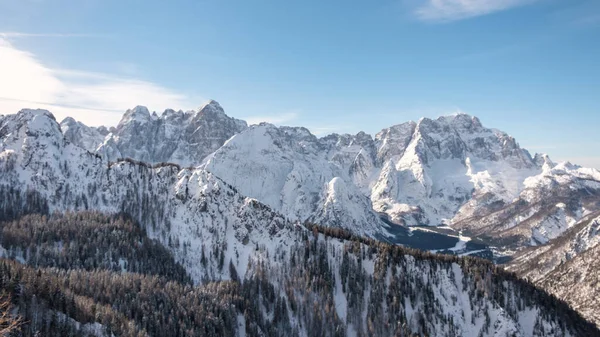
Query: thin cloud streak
x=92, y=98
x=453, y=10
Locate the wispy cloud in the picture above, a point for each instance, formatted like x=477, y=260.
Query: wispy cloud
x=93, y=98
x=276, y=119
x=452, y=10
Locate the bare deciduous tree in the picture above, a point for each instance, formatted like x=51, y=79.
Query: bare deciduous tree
x=8, y=322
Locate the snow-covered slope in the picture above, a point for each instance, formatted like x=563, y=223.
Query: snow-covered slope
x=41, y=171
x=179, y=137
x=430, y=172
x=568, y=266
x=432, y=167
x=550, y=203
x=207, y=223
x=298, y=175
x=450, y=170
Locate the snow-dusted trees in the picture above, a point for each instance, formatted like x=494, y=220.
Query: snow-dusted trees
x=88, y=268
x=9, y=323
x=88, y=240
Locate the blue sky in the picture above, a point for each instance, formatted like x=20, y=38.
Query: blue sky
x=528, y=67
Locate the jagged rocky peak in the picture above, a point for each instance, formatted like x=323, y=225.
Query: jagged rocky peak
x=184, y=138
x=360, y=140
x=462, y=122
x=460, y=136
x=68, y=122
x=211, y=107
x=543, y=160
x=213, y=112
x=34, y=122
x=392, y=141
x=139, y=114
x=82, y=135
x=34, y=137
x=170, y=114
x=27, y=115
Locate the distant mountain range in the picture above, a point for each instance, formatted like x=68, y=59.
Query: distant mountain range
x=451, y=170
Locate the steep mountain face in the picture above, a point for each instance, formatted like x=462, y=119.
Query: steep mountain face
x=431, y=168
x=178, y=137
x=568, y=266
x=299, y=175
x=450, y=170
x=86, y=137
x=550, y=204
x=42, y=172
x=366, y=287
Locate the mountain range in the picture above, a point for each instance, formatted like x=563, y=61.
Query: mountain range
x=215, y=191
x=446, y=171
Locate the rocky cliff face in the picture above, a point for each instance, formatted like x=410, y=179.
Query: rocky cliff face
x=88, y=138
x=40, y=171
x=178, y=137
x=450, y=170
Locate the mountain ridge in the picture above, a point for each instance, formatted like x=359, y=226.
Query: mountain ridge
x=430, y=172
x=197, y=213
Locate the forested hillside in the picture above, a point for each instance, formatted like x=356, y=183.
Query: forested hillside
x=329, y=283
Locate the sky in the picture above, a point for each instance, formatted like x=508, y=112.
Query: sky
x=528, y=67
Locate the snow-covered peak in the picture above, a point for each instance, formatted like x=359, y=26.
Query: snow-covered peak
x=462, y=121
x=343, y=206
x=392, y=141
x=295, y=173
x=549, y=202
x=82, y=135
x=184, y=138
x=42, y=122
x=433, y=171
x=31, y=113
x=563, y=173
x=583, y=236
x=543, y=160
x=29, y=126
x=172, y=114
x=138, y=114
x=211, y=107
x=68, y=122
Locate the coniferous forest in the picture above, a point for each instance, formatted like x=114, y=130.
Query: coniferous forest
x=91, y=274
